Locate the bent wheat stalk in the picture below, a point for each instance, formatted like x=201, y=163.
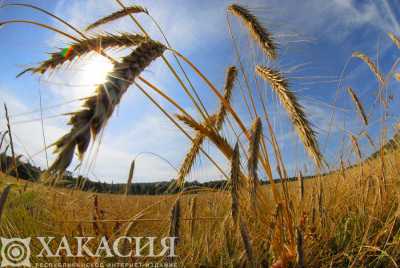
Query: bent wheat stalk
x=295, y=111
x=117, y=15
x=199, y=138
x=256, y=29
x=88, y=122
x=85, y=46
x=359, y=106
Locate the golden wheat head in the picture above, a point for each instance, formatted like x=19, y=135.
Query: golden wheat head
x=359, y=106
x=371, y=65
x=117, y=15
x=295, y=111
x=256, y=29
x=252, y=163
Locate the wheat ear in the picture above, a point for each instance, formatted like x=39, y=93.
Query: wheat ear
x=191, y=156
x=117, y=15
x=234, y=180
x=370, y=141
x=219, y=141
x=356, y=146
x=88, y=122
x=371, y=65
x=85, y=46
x=359, y=106
x=300, y=247
x=252, y=163
x=130, y=178
x=394, y=39
x=259, y=33
x=230, y=78
x=295, y=111
x=301, y=186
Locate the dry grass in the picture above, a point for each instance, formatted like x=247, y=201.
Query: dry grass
x=322, y=245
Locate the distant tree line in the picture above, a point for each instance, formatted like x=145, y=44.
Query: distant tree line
x=30, y=172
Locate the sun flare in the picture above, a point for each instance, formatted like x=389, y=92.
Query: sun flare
x=94, y=72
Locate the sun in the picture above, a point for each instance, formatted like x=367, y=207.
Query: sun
x=94, y=71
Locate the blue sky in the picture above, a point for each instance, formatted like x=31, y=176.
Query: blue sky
x=316, y=39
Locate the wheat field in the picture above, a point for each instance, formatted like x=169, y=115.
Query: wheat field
x=344, y=215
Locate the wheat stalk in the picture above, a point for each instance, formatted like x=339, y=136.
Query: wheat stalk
x=371, y=65
x=259, y=33
x=299, y=247
x=295, y=111
x=10, y=137
x=191, y=156
x=234, y=180
x=359, y=106
x=97, y=109
x=252, y=163
x=117, y=15
x=78, y=49
x=394, y=39
x=247, y=243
